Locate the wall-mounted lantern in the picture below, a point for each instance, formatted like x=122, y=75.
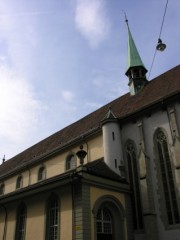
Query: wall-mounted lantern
x=81, y=154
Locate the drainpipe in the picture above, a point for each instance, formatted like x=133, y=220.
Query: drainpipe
x=74, y=176
x=73, y=208
x=29, y=177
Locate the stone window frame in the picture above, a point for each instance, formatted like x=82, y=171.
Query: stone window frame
x=19, y=182
x=21, y=218
x=136, y=198
x=41, y=173
x=161, y=182
x=53, y=214
x=117, y=212
x=71, y=161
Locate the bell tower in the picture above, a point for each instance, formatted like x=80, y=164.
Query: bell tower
x=136, y=71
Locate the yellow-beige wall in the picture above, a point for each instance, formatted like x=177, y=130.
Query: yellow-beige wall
x=97, y=193
x=2, y=220
x=56, y=165
x=95, y=148
x=36, y=216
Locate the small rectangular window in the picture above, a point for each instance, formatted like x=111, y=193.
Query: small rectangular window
x=115, y=162
x=113, y=136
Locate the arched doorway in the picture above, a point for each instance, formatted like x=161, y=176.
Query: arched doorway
x=108, y=219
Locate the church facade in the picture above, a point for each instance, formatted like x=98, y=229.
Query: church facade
x=114, y=174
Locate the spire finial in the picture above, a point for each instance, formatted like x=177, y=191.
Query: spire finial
x=126, y=20
x=3, y=160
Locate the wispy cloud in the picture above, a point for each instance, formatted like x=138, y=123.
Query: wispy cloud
x=18, y=107
x=35, y=13
x=93, y=105
x=67, y=95
x=19, y=35
x=20, y=110
x=92, y=21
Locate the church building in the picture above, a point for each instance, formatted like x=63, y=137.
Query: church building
x=112, y=175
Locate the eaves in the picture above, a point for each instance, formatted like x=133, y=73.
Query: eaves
x=103, y=182
x=38, y=187
x=147, y=109
x=37, y=160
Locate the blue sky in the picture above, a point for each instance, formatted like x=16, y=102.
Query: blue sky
x=62, y=59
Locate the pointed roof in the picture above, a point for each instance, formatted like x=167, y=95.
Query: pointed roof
x=110, y=114
x=109, y=117
x=134, y=58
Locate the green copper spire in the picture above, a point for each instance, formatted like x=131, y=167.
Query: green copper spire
x=136, y=71
x=134, y=59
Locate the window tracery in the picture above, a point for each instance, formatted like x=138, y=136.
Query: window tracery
x=131, y=157
x=103, y=223
x=167, y=178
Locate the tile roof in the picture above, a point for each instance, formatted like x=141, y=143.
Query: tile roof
x=157, y=90
x=99, y=168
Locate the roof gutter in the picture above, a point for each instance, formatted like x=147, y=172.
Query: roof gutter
x=41, y=186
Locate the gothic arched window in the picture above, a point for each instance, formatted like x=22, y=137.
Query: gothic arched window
x=52, y=221
x=134, y=184
x=21, y=222
x=167, y=178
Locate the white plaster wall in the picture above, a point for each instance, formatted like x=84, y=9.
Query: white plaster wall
x=156, y=120
x=130, y=131
x=150, y=125
x=112, y=148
